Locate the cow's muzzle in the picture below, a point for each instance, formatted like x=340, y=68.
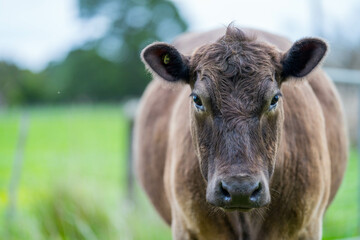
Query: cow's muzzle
x=239, y=193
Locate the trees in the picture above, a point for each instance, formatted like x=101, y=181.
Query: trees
x=19, y=86
x=132, y=25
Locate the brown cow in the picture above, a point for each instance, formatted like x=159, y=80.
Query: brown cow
x=257, y=151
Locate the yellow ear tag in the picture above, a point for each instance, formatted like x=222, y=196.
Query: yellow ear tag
x=166, y=59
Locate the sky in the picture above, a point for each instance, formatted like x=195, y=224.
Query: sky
x=33, y=33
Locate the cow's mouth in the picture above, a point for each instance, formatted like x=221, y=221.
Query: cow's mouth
x=240, y=209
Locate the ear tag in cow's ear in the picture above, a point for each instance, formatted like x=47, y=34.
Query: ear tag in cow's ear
x=166, y=59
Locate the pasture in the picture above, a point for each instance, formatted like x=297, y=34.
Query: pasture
x=73, y=179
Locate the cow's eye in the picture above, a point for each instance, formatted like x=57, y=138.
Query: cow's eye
x=197, y=102
x=274, y=101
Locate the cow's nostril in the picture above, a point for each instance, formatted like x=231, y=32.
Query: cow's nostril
x=255, y=194
x=225, y=192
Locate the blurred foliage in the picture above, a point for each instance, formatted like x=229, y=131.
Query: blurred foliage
x=105, y=69
x=84, y=76
x=68, y=213
x=18, y=86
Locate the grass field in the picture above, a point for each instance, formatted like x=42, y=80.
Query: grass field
x=73, y=179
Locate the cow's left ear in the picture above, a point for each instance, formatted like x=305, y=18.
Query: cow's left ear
x=303, y=57
x=166, y=61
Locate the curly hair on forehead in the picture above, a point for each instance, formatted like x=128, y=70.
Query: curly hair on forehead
x=235, y=55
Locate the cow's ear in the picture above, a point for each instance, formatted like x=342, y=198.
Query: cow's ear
x=164, y=60
x=303, y=57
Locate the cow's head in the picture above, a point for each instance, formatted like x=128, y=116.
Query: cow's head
x=236, y=108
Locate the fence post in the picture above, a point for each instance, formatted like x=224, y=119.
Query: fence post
x=358, y=155
x=17, y=167
x=130, y=108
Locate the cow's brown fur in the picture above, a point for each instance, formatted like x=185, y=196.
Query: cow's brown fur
x=301, y=147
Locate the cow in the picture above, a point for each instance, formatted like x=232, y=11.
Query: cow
x=240, y=135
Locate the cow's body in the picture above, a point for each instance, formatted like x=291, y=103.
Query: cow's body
x=310, y=162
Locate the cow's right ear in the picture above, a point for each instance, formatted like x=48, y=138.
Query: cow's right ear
x=164, y=60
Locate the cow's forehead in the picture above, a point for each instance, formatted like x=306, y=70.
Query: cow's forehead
x=233, y=70
x=235, y=56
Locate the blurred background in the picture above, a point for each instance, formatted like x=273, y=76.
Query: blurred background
x=69, y=73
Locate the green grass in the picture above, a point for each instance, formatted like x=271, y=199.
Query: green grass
x=73, y=179
x=74, y=171
x=341, y=217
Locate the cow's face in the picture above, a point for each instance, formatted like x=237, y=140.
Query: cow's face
x=236, y=120
x=236, y=109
